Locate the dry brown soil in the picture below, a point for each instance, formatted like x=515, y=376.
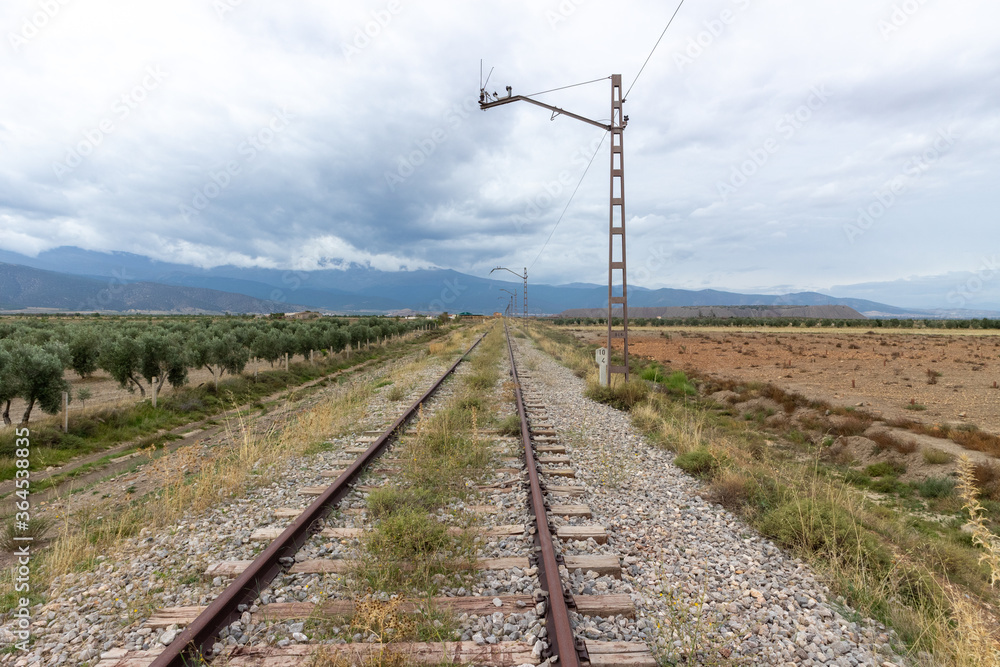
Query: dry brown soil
x=884, y=370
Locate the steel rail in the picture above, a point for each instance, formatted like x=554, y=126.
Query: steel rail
x=197, y=639
x=560, y=630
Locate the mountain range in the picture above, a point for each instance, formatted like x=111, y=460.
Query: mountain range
x=70, y=278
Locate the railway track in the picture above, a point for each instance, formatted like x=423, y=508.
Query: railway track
x=546, y=478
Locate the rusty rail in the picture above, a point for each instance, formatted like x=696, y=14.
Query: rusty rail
x=197, y=639
x=560, y=630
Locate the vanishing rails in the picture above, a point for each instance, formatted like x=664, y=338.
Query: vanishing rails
x=541, y=452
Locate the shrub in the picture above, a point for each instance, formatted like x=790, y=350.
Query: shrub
x=936, y=487
x=886, y=440
x=698, y=462
x=732, y=489
x=510, y=425
x=621, y=396
x=936, y=456
x=885, y=469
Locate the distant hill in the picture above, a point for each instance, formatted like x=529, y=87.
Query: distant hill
x=362, y=289
x=23, y=288
x=723, y=312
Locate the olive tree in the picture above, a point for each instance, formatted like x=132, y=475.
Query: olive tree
x=10, y=387
x=40, y=372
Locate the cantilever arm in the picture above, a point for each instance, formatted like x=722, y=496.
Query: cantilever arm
x=521, y=98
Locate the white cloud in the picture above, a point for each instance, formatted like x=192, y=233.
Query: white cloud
x=371, y=89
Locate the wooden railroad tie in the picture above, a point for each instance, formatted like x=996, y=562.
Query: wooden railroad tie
x=271, y=534
x=567, y=533
x=556, y=490
x=589, y=605
x=601, y=565
x=558, y=472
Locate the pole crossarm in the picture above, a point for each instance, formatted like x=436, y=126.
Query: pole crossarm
x=485, y=103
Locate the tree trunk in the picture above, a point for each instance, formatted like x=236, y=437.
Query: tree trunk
x=6, y=414
x=142, y=390
x=27, y=412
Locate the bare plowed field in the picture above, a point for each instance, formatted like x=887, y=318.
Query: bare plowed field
x=953, y=376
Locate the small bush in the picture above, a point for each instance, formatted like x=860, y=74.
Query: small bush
x=851, y=426
x=936, y=487
x=408, y=534
x=731, y=489
x=510, y=425
x=621, y=396
x=885, y=469
x=698, y=462
x=886, y=440
x=936, y=456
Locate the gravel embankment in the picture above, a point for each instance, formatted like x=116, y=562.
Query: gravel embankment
x=698, y=575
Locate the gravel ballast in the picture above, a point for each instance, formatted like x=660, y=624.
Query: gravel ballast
x=699, y=576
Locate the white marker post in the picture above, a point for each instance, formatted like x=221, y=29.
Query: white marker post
x=602, y=364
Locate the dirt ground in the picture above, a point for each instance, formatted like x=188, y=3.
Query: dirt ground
x=953, y=375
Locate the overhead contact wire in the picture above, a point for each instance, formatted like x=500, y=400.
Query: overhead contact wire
x=654, y=50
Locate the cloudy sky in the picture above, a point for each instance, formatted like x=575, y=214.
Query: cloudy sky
x=771, y=145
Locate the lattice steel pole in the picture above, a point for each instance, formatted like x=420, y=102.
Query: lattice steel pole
x=617, y=214
x=617, y=227
x=524, y=304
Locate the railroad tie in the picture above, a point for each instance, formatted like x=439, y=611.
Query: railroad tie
x=591, y=605
x=270, y=534
x=600, y=565
x=501, y=654
x=557, y=472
